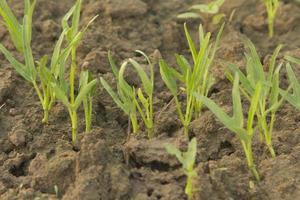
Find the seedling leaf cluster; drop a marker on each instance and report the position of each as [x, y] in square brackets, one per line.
[198, 10]
[54, 79]
[48, 78]
[236, 122]
[187, 159]
[134, 101]
[195, 77]
[271, 7]
[269, 100]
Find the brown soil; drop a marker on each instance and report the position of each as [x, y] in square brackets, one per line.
[35, 159]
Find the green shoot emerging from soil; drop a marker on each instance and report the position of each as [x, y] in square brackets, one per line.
[195, 78]
[294, 98]
[187, 159]
[38, 74]
[269, 100]
[272, 7]
[85, 79]
[65, 90]
[211, 8]
[236, 122]
[131, 100]
[125, 95]
[144, 103]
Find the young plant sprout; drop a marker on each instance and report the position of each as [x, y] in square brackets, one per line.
[269, 100]
[211, 8]
[292, 98]
[37, 73]
[236, 122]
[272, 7]
[195, 77]
[125, 95]
[64, 90]
[187, 159]
[131, 100]
[20, 34]
[144, 103]
[85, 79]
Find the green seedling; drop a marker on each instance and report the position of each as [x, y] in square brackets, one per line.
[131, 100]
[236, 122]
[37, 73]
[63, 89]
[125, 95]
[187, 159]
[209, 9]
[144, 103]
[195, 77]
[294, 97]
[269, 101]
[85, 79]
[272, 7]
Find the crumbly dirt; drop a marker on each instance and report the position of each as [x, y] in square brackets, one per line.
[39, 161]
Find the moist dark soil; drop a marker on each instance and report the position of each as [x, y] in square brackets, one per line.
[39, 161]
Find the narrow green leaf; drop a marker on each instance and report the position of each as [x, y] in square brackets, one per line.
[222, 116]
[293, 79]
[12, 25]
[172, 150]
[274, 94]
[188, 15]
[273, 62]
[113, 65]
[142, 98]
[238, 116]
[84, 91]
[293, 59]
[26, 32]
[147, 84]
[191, 43]
[253, 106]
[183, 64]
[61, 95]
[167, 77]
[114, 96]
[76, 18]
[56, 56]
[124, 87]
[256, 68]
[19, 67]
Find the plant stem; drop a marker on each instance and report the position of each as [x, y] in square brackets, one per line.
[73, 113]
[46, 116]
[73, 116]
[186, 130]
[134, 123]
[189, 187]
[271, 27]
[47, 105]
[72, 76]
[269, 136]
[248, 152]
[87, 104]
[267, 132]
[46, 110]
